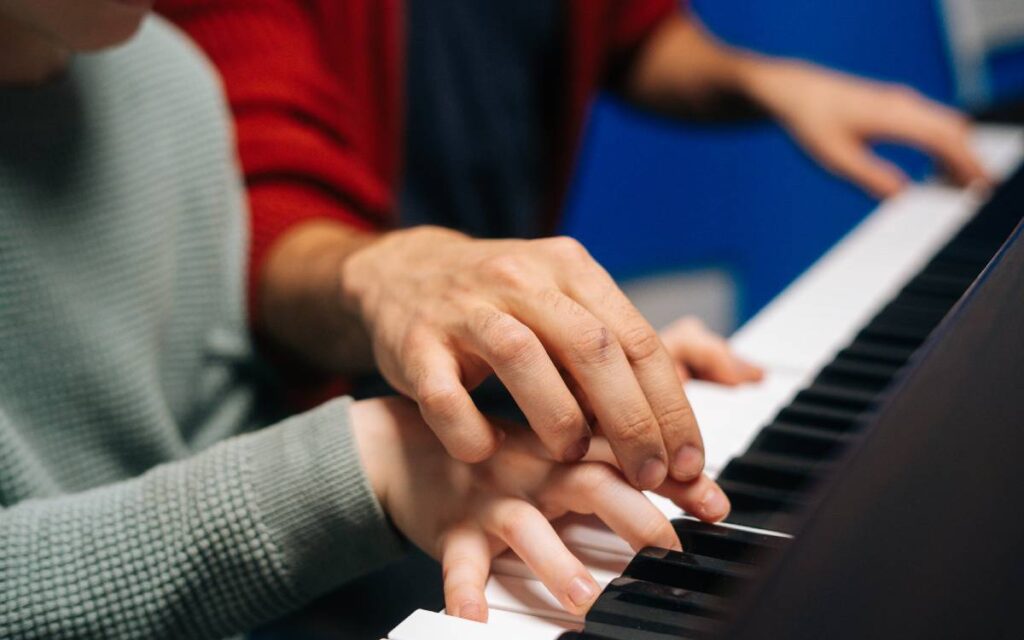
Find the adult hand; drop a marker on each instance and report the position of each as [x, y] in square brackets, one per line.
[446, 311]
[835, 117]
[465, 514]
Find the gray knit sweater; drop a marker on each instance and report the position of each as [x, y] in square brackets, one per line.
[137, 498]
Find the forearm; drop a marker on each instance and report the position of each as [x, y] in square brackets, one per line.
[683, 71]
[205, 547]
[302, 307]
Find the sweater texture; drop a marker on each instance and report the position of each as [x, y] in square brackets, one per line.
[141, 494]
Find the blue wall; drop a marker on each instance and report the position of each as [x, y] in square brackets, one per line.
[655, 196]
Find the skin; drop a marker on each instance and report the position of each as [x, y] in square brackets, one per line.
[684, 72]
[443, 311]
[465, 514]
[38, 36]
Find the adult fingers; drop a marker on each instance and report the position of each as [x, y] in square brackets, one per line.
[446, 406]
[601, 490]
[652, 365]
[851, 158]
[522, 364]
[591, 354]
[944, 133]
[701, 497]
[706, 354]
[466, 563]
[528, 533]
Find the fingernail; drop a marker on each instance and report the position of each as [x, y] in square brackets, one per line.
[715, 505]
[581, 592]
[688, 463]
[652, 474]
[577, 450]
[472, 611]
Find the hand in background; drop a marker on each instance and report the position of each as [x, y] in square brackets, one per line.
[465, 514]
[702, 354]
[445, 311]
[835, 116]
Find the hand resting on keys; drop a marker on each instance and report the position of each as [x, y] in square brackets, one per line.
[465, 514]
[445, 311]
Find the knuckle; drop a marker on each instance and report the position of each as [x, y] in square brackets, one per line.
[511, 343]
[506, 270]
[640, 343]
[634, 428]
[657, 531]
[568, 250]
[593, 345]
[596, 478]
[413, 343]
[515, 522]
[439, 398]
[473, 448]
[678, 413]
[903, 96]
[567, 423]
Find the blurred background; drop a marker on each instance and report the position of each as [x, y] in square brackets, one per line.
[721, 220]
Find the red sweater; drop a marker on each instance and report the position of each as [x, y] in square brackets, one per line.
[315, 88]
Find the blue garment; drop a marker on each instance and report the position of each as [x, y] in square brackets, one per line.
[480, 114]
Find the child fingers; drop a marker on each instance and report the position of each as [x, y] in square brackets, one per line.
[466, 563]
[599, 489]
[702, 498]
[529, 534]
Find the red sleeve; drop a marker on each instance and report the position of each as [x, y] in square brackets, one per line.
[294, 123]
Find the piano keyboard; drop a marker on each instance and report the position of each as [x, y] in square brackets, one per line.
[830, 345]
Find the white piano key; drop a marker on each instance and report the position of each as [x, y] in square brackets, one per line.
[803, 328]
[729, 417]
[999, 148]
[529, 627]
[428, 625]
[792, 337]
[525, 596]
[807, 324]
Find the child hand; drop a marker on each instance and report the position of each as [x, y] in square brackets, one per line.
[703, 354]
[465, 514]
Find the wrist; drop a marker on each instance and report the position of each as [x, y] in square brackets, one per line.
[766, 81]
[382, 258]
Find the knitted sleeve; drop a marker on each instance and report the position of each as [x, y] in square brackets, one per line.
[204, 547]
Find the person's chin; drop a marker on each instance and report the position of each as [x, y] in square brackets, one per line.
[120, 21]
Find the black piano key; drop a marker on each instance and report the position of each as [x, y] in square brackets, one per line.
[629, 605]
[667, 597]
[684, 570]
[799, 442]
[723, 543]
[938, 286]
[860, 375]
[600, 630]
[819, 417]
[746, 496]
[909, 333]
[868, 351]
[768, 472]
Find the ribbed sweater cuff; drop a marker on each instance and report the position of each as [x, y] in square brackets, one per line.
[311, 492]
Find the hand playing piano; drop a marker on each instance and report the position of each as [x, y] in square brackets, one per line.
[835, 117]
[465, 514]
[445, 311]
